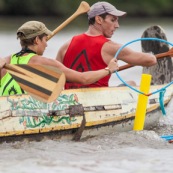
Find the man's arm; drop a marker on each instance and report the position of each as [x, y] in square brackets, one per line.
[62, 51]
[128, 55]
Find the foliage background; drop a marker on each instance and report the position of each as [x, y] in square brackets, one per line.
[63, 8]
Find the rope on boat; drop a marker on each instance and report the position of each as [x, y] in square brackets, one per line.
[168, 138]
[161, 101]
[160, 91]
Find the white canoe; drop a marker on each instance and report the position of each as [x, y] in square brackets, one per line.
[104, 109]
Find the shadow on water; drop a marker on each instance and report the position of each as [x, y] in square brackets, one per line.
[12, 23]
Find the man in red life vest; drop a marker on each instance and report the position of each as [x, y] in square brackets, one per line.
[93, 49]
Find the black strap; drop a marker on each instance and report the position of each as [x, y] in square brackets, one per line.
[6, 85]
[23, 51]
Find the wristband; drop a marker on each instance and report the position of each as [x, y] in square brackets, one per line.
[107, 69]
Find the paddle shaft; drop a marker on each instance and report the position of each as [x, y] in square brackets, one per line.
[158, 56]
[83, 8]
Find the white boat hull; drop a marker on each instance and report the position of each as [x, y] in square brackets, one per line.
[105, 109]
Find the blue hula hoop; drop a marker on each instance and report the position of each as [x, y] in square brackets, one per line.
[141, 39]
[163, 89]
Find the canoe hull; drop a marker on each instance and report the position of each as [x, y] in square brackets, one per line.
[105, 110]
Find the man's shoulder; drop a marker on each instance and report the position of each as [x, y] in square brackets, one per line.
[79, 35]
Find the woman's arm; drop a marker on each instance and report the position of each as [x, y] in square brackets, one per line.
[90, 76]
[3, 61]
[74, 76]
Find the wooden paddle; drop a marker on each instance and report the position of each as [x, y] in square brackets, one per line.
[158, 56]
[83, 8]
[42, 82]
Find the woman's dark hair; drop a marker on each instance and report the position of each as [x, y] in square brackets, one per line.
[92, 20]
[27, 42]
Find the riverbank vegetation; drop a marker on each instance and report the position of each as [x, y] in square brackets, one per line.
[63, 8]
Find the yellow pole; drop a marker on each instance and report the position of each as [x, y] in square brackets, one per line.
[142, 102]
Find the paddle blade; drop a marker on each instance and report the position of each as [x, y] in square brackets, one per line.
[41, 82]
[161, 72]
[155, 47]
[83, 8]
